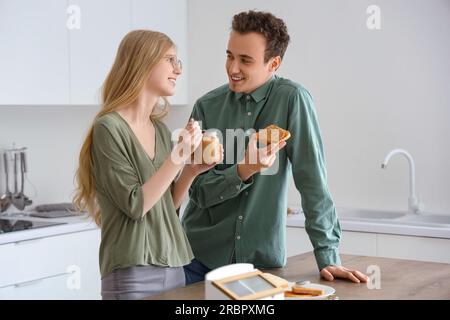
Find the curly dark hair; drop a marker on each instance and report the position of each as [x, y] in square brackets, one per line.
[265, 23]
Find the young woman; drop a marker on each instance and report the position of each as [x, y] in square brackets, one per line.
[129, 175]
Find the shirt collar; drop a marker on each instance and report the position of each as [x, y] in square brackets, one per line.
[259, 93]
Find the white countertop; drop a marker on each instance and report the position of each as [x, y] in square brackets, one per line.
[72, 224]
[298, 220]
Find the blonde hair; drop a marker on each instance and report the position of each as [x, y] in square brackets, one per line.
[138, 53]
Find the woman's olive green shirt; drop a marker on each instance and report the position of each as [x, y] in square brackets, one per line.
[121, 167]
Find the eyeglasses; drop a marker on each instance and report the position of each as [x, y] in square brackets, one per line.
[176, 63]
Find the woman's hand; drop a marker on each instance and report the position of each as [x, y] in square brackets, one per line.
[190, 139]
[196, 169]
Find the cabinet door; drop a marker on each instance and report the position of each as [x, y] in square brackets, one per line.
[51, 288]
[413, 248]
[297, 241]
[33, 52]
[358, 243]
[88, 246]
[75, 256]
[169, 17]
[93, 47]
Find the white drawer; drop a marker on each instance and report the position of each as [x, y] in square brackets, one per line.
[54, 288]
[36, 259]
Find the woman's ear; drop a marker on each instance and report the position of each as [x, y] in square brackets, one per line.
[275, 64]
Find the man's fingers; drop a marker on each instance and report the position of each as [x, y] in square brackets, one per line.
[347, 274]
[253, 140]
[221, 152]
[275, 147]
[272, 159]
[361, 276]
[326, 275]
[352, 277]
[342, 272]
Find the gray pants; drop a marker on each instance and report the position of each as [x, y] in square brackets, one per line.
[138, 282]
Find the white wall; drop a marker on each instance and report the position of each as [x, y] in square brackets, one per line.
[374, 90]
[53, 136]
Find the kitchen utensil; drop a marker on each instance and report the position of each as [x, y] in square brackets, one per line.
[302, 282]
[5, 199]
[15, 173]
[20, 201]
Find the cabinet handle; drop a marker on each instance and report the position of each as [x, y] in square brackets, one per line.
[27, 241]
[28, 283]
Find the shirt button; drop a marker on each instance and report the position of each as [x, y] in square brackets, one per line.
[249, 113]
[237, 187]
[238, 237]
[221, 197]
[241, 217]
[246, 193]
[247, 97]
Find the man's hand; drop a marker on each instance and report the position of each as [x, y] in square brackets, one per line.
[331, 272]
[257, 160]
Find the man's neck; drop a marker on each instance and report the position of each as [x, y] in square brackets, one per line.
[267, 80]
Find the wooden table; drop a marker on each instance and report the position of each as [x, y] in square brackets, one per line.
[400, 279]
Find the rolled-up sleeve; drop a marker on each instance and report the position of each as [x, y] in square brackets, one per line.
[115, 174]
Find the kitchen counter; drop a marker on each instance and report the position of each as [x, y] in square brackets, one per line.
[400, 279]
[373, 226]
[72, 224]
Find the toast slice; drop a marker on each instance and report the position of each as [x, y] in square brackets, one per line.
[310, 291]
[272, 134]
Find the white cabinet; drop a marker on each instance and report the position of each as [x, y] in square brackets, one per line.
[93, 47]
[51, 288]
[297, 241]
[413, 248]
[58, 267]
[359, 243]
[46, 60]
[377, 245]
[169, 17]
[34, 57]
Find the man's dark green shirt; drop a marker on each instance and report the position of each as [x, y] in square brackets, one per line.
[228, 220]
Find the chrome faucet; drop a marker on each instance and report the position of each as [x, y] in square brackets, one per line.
[414, 205]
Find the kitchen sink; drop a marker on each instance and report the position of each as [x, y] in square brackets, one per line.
[423, 219]
[358, 214]
[427, 219]
[8, 224]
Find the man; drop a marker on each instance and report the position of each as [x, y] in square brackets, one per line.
[236, 213]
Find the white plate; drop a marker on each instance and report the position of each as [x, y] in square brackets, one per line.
[328, 291]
